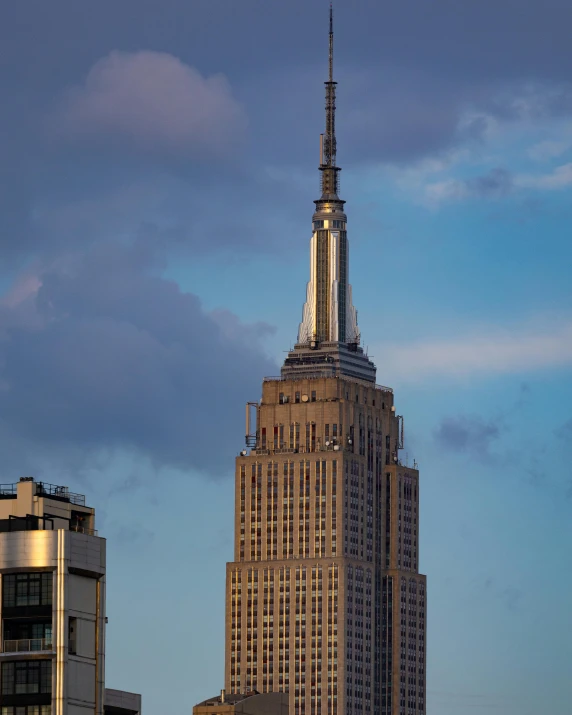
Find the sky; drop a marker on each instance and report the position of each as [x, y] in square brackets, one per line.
[158, 164]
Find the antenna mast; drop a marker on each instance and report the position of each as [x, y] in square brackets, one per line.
[329, 144]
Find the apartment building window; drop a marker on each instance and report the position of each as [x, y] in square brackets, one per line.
[26, 677]
[27, 710]
[27, 589]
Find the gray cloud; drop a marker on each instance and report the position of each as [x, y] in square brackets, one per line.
[155, 102]
[144, 116]
[107, 354]
[490, 38]
[564, 432]
[467, 435]
[495, 184]
[511, 597]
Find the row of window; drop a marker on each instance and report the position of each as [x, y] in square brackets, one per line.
[318, 491]
[314, 582]
[335, 223]
[27, 589]
[26, 677]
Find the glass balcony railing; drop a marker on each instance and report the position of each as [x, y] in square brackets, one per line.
[83, 530]
[27, 645]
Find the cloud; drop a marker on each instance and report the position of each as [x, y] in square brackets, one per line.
[559, 178]
[546, 150]
[107, 354]
[470, 435]
[512, 597]
[153, 101]
[564, 432]
[495, 184]
[489, 352]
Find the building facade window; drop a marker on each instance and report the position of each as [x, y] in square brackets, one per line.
[27, 589]
[26, 677]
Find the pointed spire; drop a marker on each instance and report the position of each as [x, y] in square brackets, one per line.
[328, 336]
[331, 43]
[328, 142]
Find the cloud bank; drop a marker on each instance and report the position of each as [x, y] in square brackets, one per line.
[488, 352]
[98, 351]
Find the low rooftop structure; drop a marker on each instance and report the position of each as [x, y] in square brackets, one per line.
[249, 703]
[118, 702]
[28, 505]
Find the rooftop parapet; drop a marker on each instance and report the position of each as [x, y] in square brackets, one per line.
[43, 489]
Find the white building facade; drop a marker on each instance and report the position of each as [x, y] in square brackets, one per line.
[52, 603]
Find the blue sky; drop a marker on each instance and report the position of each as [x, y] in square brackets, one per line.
[157, 173]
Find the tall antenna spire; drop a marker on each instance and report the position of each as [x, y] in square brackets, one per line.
[331, 43]
[329, 145]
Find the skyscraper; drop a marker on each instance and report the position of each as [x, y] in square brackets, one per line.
[324, 597]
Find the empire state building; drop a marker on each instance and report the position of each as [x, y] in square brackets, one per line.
[324, 598]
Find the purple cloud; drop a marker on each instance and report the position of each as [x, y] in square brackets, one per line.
[468, 435]
[108, 354]
[154, 101]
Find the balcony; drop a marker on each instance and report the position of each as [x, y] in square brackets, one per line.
[28, 645]
[83, 530]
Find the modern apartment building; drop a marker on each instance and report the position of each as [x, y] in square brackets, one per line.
[52, 607]
[324, 596]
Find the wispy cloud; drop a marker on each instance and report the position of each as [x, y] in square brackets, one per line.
[549, 149]
[497, 183]
[482, 701]
[494, 184]
[490, 351]
[559, 178]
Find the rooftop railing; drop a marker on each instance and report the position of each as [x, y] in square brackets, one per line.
[45, 489]
[27, 645]
[53, 490]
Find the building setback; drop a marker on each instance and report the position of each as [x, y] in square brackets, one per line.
[324, 598]
[52, 586]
